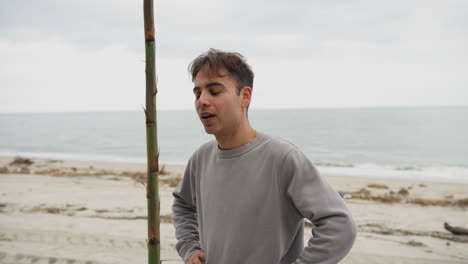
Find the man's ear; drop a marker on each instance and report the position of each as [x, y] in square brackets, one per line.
[246, 96]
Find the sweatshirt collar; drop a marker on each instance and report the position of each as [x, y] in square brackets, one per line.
[231, 153]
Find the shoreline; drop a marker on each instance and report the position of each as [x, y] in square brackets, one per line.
[366, 171]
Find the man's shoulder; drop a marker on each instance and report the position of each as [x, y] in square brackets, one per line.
[206, 147]
[283, 150]
[278, 144]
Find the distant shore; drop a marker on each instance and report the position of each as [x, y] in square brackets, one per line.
[94, 212]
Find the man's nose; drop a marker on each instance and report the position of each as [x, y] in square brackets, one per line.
[203, 100]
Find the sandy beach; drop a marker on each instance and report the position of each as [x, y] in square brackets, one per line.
[56, 211]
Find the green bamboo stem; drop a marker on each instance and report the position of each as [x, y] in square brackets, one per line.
[152, 188]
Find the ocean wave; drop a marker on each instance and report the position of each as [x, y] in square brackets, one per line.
[333, 164]
[408, 168]
[72, 156]
[449, 174]
[86, 157]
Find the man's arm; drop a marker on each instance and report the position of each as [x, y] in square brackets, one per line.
[185, 217]
[316, 200]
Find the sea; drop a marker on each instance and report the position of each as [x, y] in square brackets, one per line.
[417, 143]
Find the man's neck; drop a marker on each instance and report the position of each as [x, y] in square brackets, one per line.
[236, 139]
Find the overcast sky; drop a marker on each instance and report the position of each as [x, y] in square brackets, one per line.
[88, 55]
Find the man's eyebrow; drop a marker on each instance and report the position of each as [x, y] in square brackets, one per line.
[214, 84]
[196, 88]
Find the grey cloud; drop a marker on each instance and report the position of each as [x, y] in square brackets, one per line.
[85, 23]
[186, 27]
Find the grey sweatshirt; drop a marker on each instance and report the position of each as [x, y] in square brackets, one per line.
[247, 205]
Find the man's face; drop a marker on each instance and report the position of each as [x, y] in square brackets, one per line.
[217, 103]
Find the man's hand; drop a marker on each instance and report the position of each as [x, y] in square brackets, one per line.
[196, 257]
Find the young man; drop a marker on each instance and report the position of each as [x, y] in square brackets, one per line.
[245, 195]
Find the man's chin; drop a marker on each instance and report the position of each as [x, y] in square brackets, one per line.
[209, 130]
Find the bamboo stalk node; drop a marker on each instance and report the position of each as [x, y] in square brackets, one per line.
[148, 119]
[149, 36]
[153, 242]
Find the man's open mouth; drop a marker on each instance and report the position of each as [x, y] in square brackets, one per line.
[207, 116]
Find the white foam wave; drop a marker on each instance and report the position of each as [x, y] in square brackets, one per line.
[423, 174]
[73, 156]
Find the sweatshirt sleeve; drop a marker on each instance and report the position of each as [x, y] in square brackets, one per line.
[335, 231]
[185, 216]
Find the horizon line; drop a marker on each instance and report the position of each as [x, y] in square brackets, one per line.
[252, 109]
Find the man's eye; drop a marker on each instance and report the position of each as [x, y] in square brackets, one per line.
[214, 93]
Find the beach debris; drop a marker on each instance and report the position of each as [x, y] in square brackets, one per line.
[110, 177]
[383, 230]
[15, 170]
[166, 175]
[174, 181]
[136, 175]
[364, 192]
[19, 161]
[163, 171]
[44, 209]
[73, 209]
[100, 211]
[53, 210]
[462, 202]
[456, 230]
[414, 243]
[345, 195]
[69, 209]
[403, 197]
[25, 171]
[377, 186]
[403, 192]
[163, 218]
[422, 185]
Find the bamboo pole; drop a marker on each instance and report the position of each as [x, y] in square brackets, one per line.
[152, 188]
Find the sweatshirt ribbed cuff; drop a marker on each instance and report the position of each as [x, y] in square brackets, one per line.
[187, 251]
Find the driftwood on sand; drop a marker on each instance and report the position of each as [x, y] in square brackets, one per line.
[456, 230]
[380, 229]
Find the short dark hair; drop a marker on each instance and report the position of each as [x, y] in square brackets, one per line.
[214, 60]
